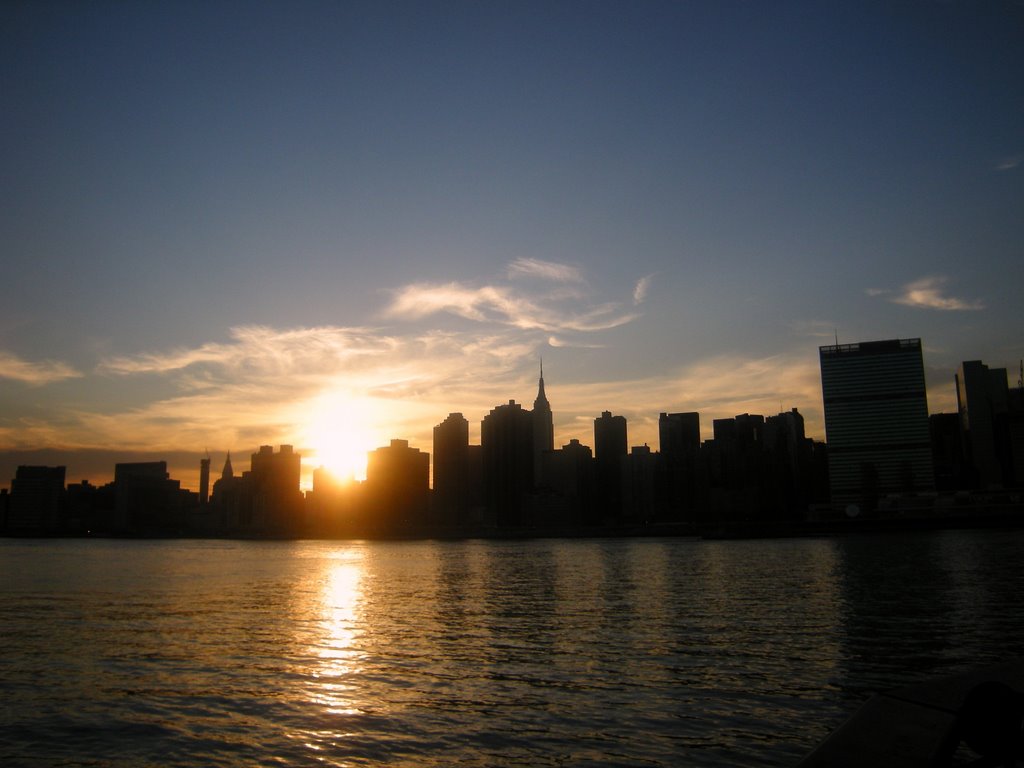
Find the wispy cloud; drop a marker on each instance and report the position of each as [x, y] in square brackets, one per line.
[641, 288]
[877, 292]
[927, 293]
[559, 310]
[1010, 162]
[545, 270]
[36, 373]
[261, 349]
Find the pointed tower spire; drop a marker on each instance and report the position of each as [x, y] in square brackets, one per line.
[227, 473]
[543, 429]
[541, 397]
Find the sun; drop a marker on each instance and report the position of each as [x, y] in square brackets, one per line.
[340, 434]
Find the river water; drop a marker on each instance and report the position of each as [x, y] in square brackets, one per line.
[481, 653]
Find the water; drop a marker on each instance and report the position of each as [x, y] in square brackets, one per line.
[547, 652]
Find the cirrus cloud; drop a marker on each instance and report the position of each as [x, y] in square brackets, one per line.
[35, 373]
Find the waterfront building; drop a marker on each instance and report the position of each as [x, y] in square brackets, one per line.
[276, 499]
[982, 399]
[569, 496]
[451, 497]
[36, 500]
[610, 448]
[397, 488]
[147, 500]
[679, 471]
[508, 450]
[543, 429]
[640, 485]
[876, 421]
[204, 481]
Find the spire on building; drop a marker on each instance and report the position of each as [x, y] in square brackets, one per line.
[543, 429]
[227, 473]
[542, 400]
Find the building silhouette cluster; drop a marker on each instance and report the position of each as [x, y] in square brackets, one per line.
[885, 458]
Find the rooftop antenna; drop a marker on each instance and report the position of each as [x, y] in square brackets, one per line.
[837, 336]
[1020, 379]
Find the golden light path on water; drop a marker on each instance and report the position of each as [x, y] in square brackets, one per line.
[338, 660]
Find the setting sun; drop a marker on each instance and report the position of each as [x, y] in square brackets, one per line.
[339, 434]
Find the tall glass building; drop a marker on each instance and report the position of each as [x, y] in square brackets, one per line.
[876, 421]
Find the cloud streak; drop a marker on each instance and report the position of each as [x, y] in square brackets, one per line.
[35, 373]
[1009, 163]
[927, 293]
[567, 308]
[544, 270]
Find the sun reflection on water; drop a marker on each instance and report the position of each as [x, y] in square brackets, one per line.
[337, 648]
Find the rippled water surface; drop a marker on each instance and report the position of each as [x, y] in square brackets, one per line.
[544, 652]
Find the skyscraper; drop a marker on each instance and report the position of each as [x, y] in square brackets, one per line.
[508, 448]
[397, 487]
[876, 421]
[610, 448]
[982, 397]
[204, 480]
[543, 429]
[451, 470]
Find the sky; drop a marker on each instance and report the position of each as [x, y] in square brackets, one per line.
[229, 224]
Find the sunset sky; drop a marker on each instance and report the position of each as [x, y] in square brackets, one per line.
[331, 224]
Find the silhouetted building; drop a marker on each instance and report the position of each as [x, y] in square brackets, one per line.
[640, 485]
[610, 446]
[508, 451]
[452, 481]
[679, 473]
[36, 500]
[982, 397]
[876, 421]
[277, 503]
[951, 472]
[147, 500]
[231, 501]
[543, 429]
[397, 489]
[330, 505]
[679, 434]
[204, 480]
[569, 495]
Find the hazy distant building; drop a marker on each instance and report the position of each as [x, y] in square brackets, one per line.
[229, 502]
[508, 450]
[204, 480]
[876, 421]
[36, 500]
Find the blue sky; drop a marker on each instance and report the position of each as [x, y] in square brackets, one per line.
[329, 224]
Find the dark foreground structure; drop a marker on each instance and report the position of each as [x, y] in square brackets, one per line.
[974, 719]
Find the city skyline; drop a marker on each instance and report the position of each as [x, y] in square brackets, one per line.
[703, 430]
[331, 228]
